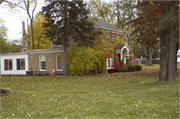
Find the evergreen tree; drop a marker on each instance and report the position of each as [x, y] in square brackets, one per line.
[67, 20]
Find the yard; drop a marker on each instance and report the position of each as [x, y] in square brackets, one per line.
[118, 95]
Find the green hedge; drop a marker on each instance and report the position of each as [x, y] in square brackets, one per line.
[131, 68]
[138, 67]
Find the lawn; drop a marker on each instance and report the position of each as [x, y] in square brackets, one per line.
[119, 95]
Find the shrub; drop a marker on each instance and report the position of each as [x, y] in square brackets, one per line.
[131, 68]
[110, 70]
[116, 65]
[117, 70]
[124, 68]
[138, 67]
[81, 60]
[122, 63]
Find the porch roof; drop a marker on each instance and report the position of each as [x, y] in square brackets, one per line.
[120, 47]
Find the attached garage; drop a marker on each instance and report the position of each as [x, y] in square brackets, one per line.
[14, 64]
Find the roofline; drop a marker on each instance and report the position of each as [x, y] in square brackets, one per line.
[34, 52]
[117, 31]
[22, 53]
[44, 51]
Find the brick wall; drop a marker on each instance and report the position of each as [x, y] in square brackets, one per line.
[50, 61]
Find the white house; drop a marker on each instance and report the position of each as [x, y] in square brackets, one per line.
[14, 63]
[178, 56]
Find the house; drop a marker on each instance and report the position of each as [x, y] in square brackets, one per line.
[44, 61]
[122, 51]
[23, 48]
[178, 56]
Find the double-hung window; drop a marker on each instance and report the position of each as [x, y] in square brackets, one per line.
[59, 60]
[109, 63]
[42, 63]
[8, 64]
[21, 64]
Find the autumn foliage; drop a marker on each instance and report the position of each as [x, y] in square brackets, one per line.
[116, 65]
[146, 28]
[39, 37]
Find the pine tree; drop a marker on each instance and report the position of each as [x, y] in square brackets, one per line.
[67, 19]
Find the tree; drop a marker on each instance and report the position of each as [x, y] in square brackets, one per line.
[82, 59]
[167, 24]
[67, 20]
[40, 40]
[148, 53]
[29, 6]
[3, 37]
[162, 18]
[125, 11]
[100, 9]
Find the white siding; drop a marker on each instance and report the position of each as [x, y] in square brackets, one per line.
[14, 58]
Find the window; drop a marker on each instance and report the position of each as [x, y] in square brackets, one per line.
[109, 63]
[21, 64]
[8, 64]
[59, 60]
[109, 37]
[42, 63]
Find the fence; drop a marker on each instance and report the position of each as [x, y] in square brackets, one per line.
[140, 61]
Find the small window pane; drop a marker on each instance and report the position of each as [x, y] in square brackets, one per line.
[59, 62]
[22, 64]
[6, 64]
[10, 64]
[43, 65]
[18, 64]
[108, 63]
[42, 62]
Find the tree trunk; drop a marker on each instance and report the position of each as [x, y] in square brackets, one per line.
[167, 43]
[65, 66]
[32, 33]
[147, 61]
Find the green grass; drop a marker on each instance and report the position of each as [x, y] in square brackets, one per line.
[101, 96]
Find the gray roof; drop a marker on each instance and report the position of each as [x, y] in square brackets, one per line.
[21, 46]
[102, 25]
[120, 47]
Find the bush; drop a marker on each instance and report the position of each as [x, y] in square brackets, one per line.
[117, 70]
[131, 68]
[124, 68]
[122, 63]
[81, 60]
[116, 65]
[138, 67]
[110, 70]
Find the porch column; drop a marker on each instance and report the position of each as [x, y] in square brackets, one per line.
[121, 55]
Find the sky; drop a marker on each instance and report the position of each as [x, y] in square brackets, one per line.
[13, 21]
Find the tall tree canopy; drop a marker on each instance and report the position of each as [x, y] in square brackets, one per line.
[6, 45]
[160, 19]
[67, 20]
[40, 40]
